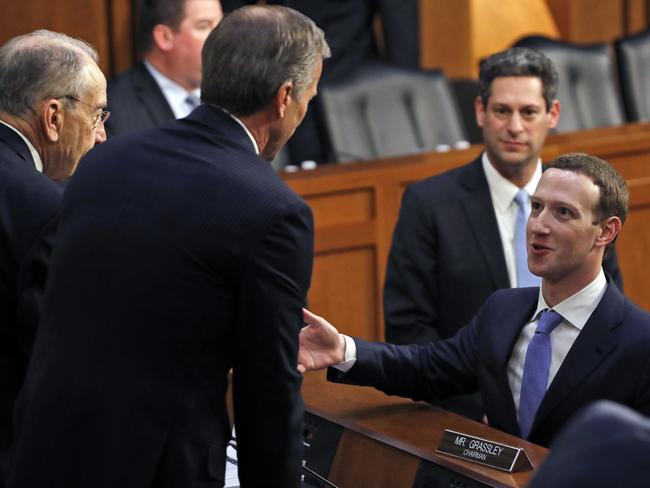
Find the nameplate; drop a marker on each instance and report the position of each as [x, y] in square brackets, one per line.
[483, 451]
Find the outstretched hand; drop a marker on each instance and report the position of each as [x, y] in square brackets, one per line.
[321, 345]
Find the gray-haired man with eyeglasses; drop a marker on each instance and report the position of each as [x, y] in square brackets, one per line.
[52, 111]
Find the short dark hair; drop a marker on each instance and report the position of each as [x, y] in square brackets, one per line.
[614, 194]
[253, 51]
[41, 65]
[154, 12]
[519, 61]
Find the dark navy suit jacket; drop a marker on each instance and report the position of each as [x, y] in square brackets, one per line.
[610, 359]
[604, 446]
[136, 102]
[29, 203]
[180, 255]
[446, 258]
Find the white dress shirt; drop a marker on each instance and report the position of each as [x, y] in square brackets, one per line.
[575, 312]
[38, 162]
[174, 93]
[503, 194]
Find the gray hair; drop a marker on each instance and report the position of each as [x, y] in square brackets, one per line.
[519, 61]
[42, 65]
[255, 49]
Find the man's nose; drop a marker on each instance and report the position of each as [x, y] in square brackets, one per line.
[515, 123]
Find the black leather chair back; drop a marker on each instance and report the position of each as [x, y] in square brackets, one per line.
[386, 111]
[633, 54]
[588, 92]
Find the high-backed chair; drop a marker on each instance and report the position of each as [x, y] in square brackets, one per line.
[588, 92]
[386, 111]
[633, 54]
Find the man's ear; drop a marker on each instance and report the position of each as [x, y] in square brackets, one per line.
[163, 37]
[554, 114]
[609, 229]
[479, 111]
[283, 98]
[52, 117]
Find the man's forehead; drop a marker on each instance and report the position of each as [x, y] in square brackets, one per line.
[522, 89]
[572, 185]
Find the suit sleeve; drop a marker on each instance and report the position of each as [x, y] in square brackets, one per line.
[266, 383]
[428, 372]
[410, 290]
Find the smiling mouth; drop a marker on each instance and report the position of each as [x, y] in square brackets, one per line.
[536, 248]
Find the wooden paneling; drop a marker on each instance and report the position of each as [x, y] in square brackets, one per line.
[589, 20]
[356, 207]
[106, 24]
[455, 35]
[122, 53]
[345, 284]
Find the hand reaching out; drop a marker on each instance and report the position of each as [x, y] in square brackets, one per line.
[321, 345]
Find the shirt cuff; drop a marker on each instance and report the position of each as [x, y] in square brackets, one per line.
[350, 355]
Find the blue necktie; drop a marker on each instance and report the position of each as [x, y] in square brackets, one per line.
[536, 367]
[524, 276]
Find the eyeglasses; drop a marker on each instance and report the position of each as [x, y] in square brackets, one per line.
[102, 116]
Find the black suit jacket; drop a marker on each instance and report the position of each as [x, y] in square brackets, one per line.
[604, 446]
[180, 255]
[446, 257]
[29, 202]
[610, 360]
[136, 102]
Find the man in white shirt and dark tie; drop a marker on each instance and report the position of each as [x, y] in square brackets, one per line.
[536, 355]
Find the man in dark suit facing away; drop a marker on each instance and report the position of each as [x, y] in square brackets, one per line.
[537, 354]
[455, 240]
[166, 83]
[181, 255]
[52, 100]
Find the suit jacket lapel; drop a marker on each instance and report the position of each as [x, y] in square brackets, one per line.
[151, 95]
[479, 210]
[594, 343]
[16, 144]
[509, 319]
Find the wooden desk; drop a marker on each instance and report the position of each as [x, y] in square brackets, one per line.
[356, 207]
[386, 437]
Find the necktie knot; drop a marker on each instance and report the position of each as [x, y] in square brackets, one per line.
[548, 320]
[521, 198]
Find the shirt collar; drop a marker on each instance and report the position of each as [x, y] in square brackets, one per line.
[174, 93]
[38, 162]
[577, 309]
[503, 191]
[248, 133]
